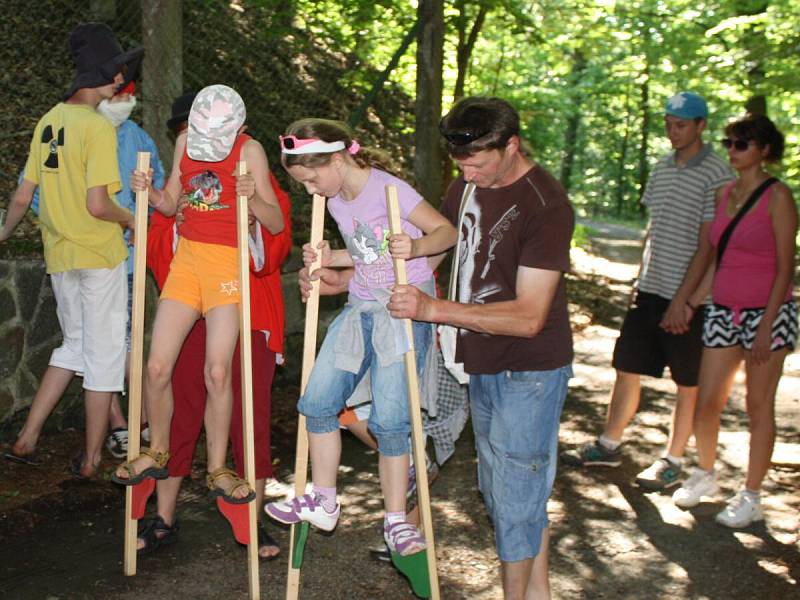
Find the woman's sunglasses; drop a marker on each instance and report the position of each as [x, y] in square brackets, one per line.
[738, 145]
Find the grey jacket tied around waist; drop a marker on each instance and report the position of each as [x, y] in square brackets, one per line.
[389, 341]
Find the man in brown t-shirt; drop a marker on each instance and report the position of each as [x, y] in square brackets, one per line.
[514, 339]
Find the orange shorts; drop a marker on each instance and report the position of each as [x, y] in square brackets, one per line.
[203, 276]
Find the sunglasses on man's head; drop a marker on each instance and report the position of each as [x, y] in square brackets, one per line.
[462, 138]
[738, 145]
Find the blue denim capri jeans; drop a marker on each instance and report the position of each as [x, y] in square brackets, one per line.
[515, 416]
[329, 387]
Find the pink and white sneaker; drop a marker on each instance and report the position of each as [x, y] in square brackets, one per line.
[402, 537]
[307, 507]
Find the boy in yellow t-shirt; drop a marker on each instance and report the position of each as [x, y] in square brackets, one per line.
[73, 158]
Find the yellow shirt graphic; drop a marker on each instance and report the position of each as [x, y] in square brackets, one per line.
[73, 149]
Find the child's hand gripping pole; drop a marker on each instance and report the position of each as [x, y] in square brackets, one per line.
[299, 532]
[417, 435]
[136, 495]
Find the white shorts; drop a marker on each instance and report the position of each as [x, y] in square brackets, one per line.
[91, 305]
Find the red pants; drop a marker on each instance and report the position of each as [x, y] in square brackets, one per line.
[189, 394]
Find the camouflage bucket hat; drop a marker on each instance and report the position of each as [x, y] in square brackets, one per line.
[216, 116]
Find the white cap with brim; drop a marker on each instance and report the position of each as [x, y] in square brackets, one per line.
[217, 114]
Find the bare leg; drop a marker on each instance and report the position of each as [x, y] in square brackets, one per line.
[172, 324]
[393, 472]
[97, 409]
[360, 429]
[717, 370]
[53, 385]
[528, 579]
[266, 551]
[326, 451]
[222, 327]
[116, 416]
[682, 420]
[624, 404]
[762, 383]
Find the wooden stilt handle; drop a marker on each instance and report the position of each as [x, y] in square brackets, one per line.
[245, 354]
[417, 434]
[136, 357]
[309, 354]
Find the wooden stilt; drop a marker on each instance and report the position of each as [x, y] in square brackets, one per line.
[417, 434]
[137, 359]
[245, 353]
[299, 533]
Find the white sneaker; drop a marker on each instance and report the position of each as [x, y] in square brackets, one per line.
[307, 507]
[700, 483]
[741, 510]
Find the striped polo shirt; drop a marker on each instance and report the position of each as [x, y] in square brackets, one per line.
[680, 199]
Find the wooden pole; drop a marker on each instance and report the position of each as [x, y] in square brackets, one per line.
[417, 435]
[245, 354]
[309, 354]
[136, 358]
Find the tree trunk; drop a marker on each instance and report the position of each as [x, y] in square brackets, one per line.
[358, 114]
[619, 193]
[466, 44]
[644, 171]
[574, 119]
[428, 105]
[162, 69]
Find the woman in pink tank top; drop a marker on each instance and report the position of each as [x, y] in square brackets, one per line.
[753, 317]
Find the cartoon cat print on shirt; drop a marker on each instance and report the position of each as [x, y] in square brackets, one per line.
[369, 242]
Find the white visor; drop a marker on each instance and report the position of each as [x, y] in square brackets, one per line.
[316, 147]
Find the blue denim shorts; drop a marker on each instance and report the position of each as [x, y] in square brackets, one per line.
[515, 416]
[329, 387]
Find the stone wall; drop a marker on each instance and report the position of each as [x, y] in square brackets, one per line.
[29, 331]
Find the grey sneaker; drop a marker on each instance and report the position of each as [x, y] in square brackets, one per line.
[661, 475]
[593, 455]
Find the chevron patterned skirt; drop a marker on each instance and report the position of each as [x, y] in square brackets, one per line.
[725, 327]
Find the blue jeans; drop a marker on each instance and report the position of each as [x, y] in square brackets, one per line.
[515, 416]
[329, 388]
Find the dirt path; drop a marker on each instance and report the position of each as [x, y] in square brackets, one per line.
[63, 539]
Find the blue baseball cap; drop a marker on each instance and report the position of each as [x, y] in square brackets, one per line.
[687, 105]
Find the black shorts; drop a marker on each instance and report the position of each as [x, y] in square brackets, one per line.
[644, 348]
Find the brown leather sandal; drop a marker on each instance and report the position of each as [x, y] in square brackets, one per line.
[159, 471]
[238, 483]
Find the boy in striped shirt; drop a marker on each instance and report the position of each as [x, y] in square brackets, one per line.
[663, 325]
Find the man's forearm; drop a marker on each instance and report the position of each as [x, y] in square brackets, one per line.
[498, 318]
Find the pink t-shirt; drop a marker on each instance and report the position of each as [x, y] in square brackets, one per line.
[364, 225]
[744, 278]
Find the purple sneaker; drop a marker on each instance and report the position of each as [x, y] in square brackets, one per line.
[403, 538]
[307, 507]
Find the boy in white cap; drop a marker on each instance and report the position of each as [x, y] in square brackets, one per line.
[664, 324]
[203, 277]
[73, 159]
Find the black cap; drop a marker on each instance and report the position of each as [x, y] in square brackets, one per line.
[98, 57]
[180, 110]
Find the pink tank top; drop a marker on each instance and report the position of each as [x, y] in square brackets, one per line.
[749, 265]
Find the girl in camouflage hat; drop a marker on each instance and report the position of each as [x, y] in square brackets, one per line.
[203, 278]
